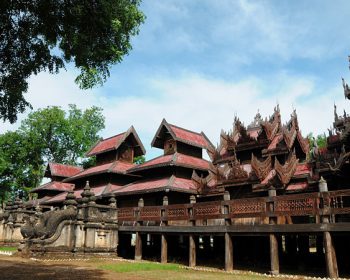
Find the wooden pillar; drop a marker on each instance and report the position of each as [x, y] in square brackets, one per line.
[164, 241]
[138, 247]
[228, 252]
[138, 241]
[192, 243]
[228, 238]
[274, 260]
[331, 259]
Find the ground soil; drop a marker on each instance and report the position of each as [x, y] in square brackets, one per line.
[17, 268]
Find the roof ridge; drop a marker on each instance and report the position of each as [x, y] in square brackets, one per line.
[64, 164]
[198, 133]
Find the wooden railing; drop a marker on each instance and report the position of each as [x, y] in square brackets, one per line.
[306, 204]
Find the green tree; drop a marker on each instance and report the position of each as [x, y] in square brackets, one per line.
[139, 159]
[49, 134]
[63, 137]
[21, 165]
[45, 35]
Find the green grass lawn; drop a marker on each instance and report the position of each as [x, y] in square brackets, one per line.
[8, 248]
[155, 271]
[133, 267]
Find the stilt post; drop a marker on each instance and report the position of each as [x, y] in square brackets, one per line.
[192, 243]
[274, 260]
[138, 241]
[331, 259]
[228, 238]
[164, 241]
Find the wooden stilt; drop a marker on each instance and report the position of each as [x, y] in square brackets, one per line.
[228, 252]
[275, 266]
[331, 260]
[274, 260]
[138, 247]
[192, 251]
[164, 249]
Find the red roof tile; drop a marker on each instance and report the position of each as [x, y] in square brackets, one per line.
[180, 134]
[269, 176]
[106, 144]
[54, 186]
[303, 168]
[63, 170]
[275, 142]
[297, 186]
[254, 133]
[112, 167]
[182, 159]
[189, 137]
[113, 143]
[176, 159]
[151, 185]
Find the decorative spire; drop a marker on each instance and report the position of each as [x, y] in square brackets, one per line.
[70, 199]
[92, 199]
[346, 89]
[86, 194]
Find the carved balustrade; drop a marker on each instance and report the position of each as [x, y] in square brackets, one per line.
[306, 204]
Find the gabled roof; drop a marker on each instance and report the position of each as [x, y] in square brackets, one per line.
[61, 170]
[54, 186]
[179, 134]
[114, 142]
[118, 167]
[176, 159]
[172, 183]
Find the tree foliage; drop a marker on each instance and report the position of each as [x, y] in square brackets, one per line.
[49, 134]
[44, 35]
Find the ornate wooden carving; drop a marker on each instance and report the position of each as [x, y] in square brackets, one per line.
[295, 207]
[247, 206]
[272, 127]
[126, 213]
[261, 168]
[213, 209]
[233, 171]
[289, 136]
[150, 213]
[286, 171]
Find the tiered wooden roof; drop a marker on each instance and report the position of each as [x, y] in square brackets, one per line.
[180, 134]
[265, 154]
[114, 142]
[54, 169]
[172, 158]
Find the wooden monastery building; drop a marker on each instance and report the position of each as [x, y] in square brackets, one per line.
[268, 198]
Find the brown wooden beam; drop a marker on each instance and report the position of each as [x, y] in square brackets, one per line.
[241, 229]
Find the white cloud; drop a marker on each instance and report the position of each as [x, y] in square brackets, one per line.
[195, 102]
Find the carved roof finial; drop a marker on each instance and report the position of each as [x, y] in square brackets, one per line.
[335, 113]
[346, 89]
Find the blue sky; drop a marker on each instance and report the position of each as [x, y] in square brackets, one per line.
[199, 63]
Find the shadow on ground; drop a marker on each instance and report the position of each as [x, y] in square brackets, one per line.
[18, 270]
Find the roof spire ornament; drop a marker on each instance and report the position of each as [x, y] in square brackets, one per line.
[346, 89]
[335, 113]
